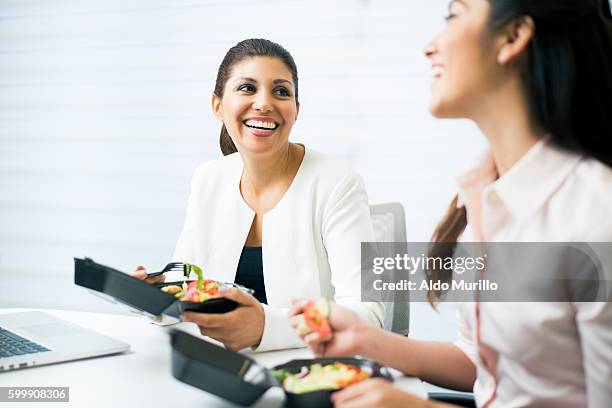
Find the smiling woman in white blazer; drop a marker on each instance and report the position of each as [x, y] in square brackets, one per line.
[303, 214]
[310, 239]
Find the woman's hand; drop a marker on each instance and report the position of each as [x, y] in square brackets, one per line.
[240, 328]
[348, 331]
[376, 392]
[141, 273]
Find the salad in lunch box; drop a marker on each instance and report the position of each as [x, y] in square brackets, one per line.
[321, 377]
[196, 291]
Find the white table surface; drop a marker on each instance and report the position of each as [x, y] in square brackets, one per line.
[141, 376]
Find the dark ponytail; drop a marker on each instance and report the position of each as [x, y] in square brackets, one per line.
[569, 89]
[444, 242]
[254, 47]
[226, 143]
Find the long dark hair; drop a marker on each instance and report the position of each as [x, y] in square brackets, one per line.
[569, 89]
[253, 47]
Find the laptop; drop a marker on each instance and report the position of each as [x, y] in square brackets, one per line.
[30, 339]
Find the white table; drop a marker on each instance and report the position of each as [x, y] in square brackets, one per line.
[142, 376]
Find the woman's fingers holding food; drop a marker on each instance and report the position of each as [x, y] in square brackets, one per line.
[156, 279]
[298, 322]
[313, 339]
[341, 317]
[294, 321]
[238, 296]
[141, 273]
[316, 341]
[297, 307]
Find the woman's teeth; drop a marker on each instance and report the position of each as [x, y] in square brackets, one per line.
[258, 124]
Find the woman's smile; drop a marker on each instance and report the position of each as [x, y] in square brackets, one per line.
[437, 71]
[261, 126]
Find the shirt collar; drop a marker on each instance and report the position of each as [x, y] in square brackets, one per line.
[528, 184]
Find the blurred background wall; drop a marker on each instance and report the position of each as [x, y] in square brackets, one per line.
[105, 113]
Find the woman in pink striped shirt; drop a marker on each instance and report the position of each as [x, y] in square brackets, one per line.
[536, 77]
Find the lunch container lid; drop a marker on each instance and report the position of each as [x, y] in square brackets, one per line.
[214, 369]
[240, 379]
[137, 294]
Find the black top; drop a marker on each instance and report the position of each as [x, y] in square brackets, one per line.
[250, 272]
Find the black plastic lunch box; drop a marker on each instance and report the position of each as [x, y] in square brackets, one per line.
[240, 379]
[138, 294]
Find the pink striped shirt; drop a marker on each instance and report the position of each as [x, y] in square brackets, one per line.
[539, 354]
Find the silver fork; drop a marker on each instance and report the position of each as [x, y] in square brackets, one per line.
[172, 266]
[181, 266]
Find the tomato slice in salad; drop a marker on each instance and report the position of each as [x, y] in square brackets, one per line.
[209, 287]
[200, 290]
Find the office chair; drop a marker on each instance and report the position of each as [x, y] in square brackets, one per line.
[389, 224]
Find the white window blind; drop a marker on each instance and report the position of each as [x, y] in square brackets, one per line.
[105, 113]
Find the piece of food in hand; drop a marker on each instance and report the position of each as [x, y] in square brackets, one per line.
[318, 377]
[315, 316]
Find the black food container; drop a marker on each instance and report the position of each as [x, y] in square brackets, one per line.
[138, 294]
[240, 379]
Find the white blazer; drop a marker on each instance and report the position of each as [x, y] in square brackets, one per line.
[310, 241]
